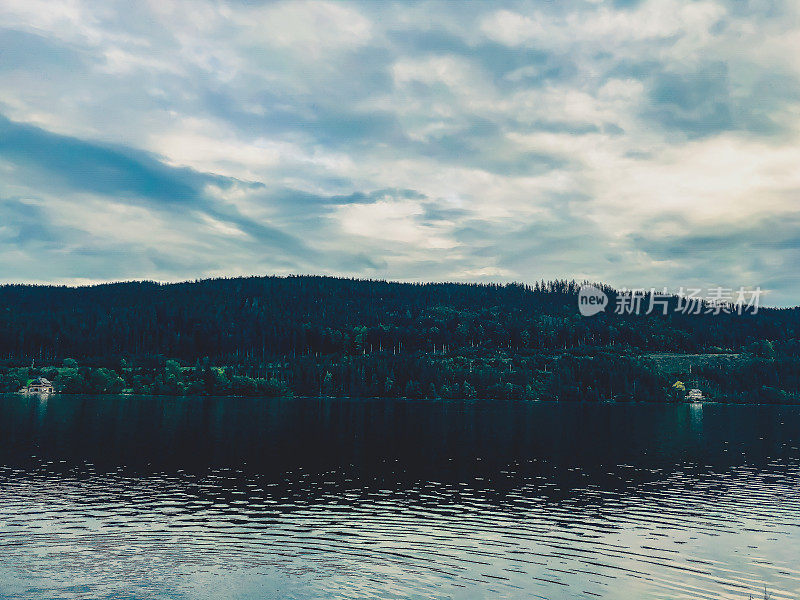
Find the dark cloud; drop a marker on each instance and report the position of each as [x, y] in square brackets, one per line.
[89, 167]
[696, 103]
[506, 67]
[562, 239]
[481, 144]
[22, 50]
[706, 102]
[434, 213]
[60, 162]
[773, 233]
[305, 118]
[27, 225]
[760, 251]
[299, 205]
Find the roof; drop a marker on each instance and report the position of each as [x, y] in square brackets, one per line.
[40, 381]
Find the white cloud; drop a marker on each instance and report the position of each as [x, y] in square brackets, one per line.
[393, 221]
[308, 28]
[653, 20]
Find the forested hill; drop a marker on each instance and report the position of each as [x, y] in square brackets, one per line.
[263, 318]
[363, 336]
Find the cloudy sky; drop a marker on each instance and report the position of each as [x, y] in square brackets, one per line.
[639, 143]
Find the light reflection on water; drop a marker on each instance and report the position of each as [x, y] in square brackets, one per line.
[242, 498]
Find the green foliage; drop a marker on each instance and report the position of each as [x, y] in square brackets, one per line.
[172, 379]
[263, 336]
[104, 381]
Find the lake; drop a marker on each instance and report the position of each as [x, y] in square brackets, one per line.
[145, 497]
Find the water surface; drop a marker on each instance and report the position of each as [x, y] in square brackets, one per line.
[123, 497]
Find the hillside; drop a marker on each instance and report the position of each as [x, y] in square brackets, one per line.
[320, 335]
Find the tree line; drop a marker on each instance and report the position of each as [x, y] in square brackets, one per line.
[345, 337]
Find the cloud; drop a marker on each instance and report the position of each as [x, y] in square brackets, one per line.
[315, 26]
[706, 101]
[60, 162]
[506, 141]
[55, 163]
[758, 252]
[27, 225]
[82, 166]
[697, 103]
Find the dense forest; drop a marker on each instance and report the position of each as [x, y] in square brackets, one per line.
[277, 336]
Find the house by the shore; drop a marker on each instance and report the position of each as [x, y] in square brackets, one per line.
[40, 385]
[694, 395]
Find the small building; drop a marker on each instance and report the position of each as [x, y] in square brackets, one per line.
[40, 385]
[694, 395]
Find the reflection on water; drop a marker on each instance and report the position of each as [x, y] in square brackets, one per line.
[239, 498]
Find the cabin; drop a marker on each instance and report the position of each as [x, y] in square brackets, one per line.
[40, 385]
[694, 395]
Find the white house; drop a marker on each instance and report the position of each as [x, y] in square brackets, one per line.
[40, 385]
[694, 395]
